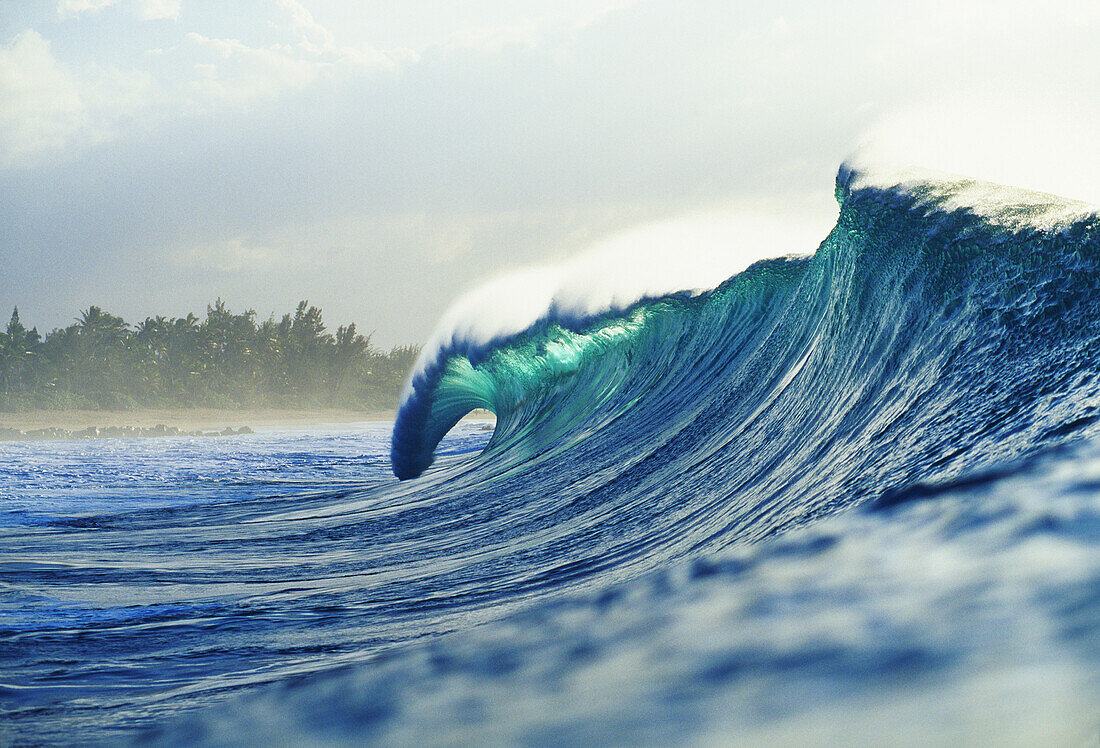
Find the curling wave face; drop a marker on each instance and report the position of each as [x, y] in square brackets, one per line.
[944, 325]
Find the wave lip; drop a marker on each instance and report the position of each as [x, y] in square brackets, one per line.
[514, 376]
[999, 205]
[429, 412]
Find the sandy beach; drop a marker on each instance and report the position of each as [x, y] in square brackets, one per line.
[187, 419]
[192, 419]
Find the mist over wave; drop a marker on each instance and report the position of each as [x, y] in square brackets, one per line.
[689, 254]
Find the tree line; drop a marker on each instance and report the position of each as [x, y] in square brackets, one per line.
[226, 360]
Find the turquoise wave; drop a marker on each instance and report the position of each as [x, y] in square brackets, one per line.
[943, 325]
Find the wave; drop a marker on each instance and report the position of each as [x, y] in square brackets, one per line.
[943, 325]
[594, 561]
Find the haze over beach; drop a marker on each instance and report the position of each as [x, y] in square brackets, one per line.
[689, 373]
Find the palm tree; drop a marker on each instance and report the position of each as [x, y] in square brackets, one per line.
[98, 324]
[182, 352]
[18, 354]
[101, 361]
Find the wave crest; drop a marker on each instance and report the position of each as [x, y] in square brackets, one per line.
[926, 285]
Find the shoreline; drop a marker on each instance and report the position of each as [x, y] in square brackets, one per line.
[34, 425]
[184, 419]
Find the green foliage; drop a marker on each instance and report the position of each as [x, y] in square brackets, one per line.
[226, 361]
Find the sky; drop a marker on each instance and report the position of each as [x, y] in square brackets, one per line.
[381, 159]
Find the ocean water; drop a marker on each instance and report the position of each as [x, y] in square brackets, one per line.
[140, 576]
[845, 498]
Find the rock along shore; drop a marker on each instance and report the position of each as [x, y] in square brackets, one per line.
[112, 432]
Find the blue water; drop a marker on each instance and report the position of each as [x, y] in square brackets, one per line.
[852, 497]
[141, 576]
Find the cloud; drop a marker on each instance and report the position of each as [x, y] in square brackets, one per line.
[381, 181]
[228, 71]
[147, 10]
[317, 38]
[152, 10]
[232, 255]
[54, 109]
[45, 106]
[42, 105]
[75, 8]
